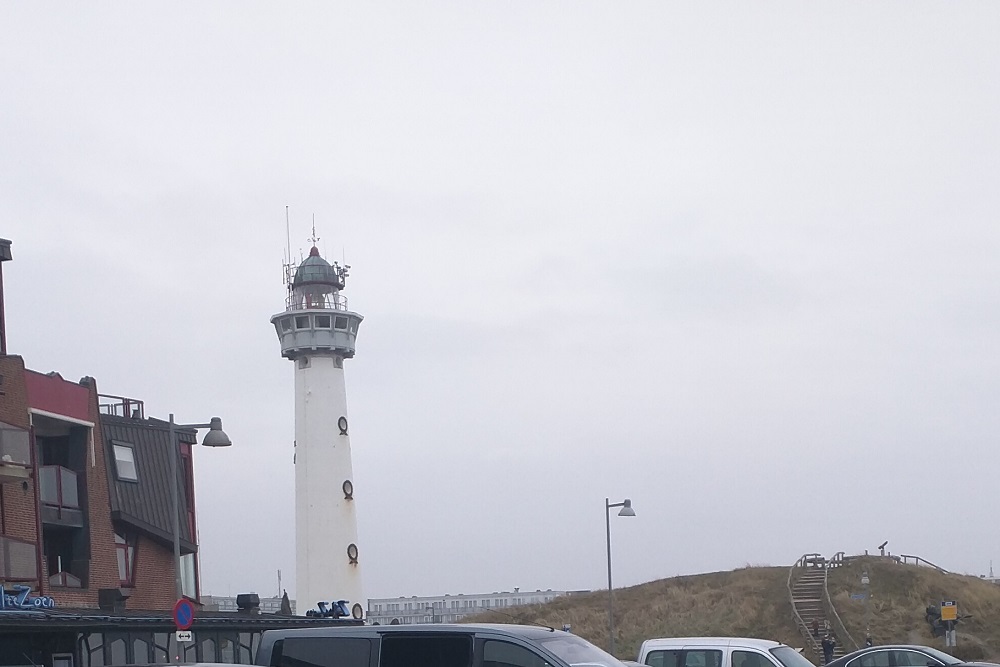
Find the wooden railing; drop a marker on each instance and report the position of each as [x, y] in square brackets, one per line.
[917, 560]
[840, 630]
[807, 560]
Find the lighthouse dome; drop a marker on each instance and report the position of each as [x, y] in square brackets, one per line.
[314, 270]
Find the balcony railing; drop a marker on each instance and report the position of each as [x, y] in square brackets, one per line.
[18, 560]
[65, 580]
[57, 487]
[15, 446]
[60, 496]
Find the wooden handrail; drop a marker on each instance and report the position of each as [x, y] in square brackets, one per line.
[841, 628]
[802, 563]
[917, 560]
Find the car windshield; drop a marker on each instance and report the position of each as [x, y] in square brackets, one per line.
[578, 651]
[941, 655]
[789, 657]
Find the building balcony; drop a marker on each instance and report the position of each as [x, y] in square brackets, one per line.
[18, 560]
[60, 496]
[15, 454]
[65, 580]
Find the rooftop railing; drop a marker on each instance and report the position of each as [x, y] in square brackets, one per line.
[324, 301]
[121, 406]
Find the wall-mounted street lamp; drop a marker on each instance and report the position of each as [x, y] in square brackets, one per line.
[215, 437]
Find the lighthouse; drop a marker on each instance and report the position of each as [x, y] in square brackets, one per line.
[317, 332]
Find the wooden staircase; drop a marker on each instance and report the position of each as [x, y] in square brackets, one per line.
[808, 595]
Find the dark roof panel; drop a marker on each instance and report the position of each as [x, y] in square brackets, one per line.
[146, 504]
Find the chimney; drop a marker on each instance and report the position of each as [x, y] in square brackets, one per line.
[248, 603]
[112, 599]
[5, 256]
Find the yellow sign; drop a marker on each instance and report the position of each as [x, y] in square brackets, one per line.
[949, 611]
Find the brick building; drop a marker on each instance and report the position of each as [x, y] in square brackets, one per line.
[87, 575]
[88, 497]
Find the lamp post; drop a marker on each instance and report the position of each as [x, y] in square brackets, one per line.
[626, 510]
[215, 437]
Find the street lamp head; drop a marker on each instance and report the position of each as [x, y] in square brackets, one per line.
[216, 437]
[626, 509]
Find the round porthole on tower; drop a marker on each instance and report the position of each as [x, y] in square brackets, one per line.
[342, 425]
[352, 553]
[348, 490]
[357, 612]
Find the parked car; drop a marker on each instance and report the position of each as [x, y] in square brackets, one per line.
[901, 655]
[719, 652]
[431, 645]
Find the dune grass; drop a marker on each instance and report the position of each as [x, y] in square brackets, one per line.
[753, 602]
[748, 602]
[899, 597]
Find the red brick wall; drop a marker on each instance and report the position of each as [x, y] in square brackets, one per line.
[154, 576]
[103, 571]
[20, 514]
[154, 570]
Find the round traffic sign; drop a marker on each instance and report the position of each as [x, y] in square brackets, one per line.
[183, 614]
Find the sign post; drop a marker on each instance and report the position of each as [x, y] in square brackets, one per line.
[183, 614]
[949, 616]
[866, 582]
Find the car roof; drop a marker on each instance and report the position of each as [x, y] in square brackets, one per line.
[739, 642]
[878, 647]
[528, 631]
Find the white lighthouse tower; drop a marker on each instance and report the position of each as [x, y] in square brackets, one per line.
[317, 332]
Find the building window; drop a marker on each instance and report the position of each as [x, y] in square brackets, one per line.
[301, 321]
[340, 323]
[322, 321]
[125, 549]
[286, 324]
[189, 580]
[125, 463]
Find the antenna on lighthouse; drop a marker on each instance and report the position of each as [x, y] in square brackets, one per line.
[314, 238]
[288, 239]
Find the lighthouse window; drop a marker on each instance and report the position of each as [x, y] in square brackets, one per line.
[340, 323]
[354, 326]
[286, 324]
[301, 321]
[322, 321]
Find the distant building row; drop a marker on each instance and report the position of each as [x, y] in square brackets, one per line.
[452, 608]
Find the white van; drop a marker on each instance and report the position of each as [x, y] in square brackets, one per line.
[719, 652]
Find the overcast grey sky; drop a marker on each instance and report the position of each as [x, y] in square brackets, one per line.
[736, 261]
